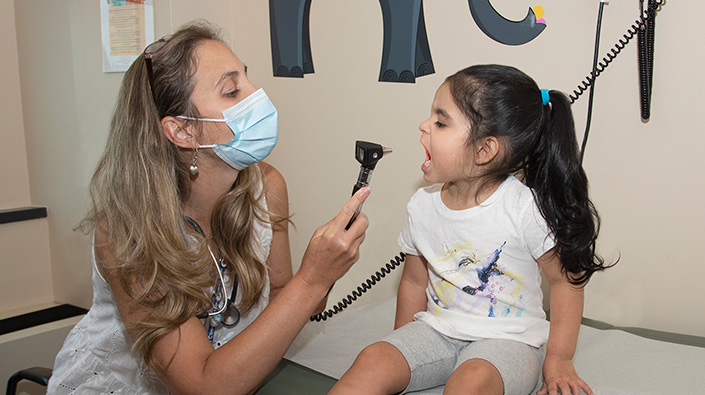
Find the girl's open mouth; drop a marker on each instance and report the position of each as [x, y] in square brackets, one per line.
[426, 163]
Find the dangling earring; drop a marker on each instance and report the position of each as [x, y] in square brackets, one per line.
[194, 167]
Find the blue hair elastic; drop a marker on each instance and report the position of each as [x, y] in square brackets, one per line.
[545, 97]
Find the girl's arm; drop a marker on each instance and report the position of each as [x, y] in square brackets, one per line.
[239, 366]
[411, 297]
[566, 306]
[279, 261]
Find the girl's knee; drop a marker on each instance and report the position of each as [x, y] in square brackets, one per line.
[475, 376]
[379, 369]
[381, 353]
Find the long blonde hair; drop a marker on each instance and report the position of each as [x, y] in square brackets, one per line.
[137, 193]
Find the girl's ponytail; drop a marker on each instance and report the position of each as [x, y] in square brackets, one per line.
[554, 172]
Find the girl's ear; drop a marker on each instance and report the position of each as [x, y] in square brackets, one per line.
[177, 133]
[486, 150]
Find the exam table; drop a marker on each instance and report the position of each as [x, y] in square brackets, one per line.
[611, 360]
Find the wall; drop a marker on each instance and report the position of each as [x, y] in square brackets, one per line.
[646, 177]
[11, 112]
[24, 246]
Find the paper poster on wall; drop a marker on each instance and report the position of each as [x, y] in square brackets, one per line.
[127, 26]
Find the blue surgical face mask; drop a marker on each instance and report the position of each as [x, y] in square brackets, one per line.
[254, 122]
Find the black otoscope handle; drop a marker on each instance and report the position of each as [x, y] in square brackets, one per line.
[367, 154]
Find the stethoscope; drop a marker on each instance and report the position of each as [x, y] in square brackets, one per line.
[228, 314]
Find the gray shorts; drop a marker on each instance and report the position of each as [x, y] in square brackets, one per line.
[433, 356]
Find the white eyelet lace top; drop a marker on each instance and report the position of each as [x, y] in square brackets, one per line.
[96, 358]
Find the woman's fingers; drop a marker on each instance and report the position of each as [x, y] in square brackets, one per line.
[332, 249]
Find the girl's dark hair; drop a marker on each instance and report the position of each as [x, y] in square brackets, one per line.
[538, 145]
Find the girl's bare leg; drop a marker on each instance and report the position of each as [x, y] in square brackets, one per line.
[475, 376]
[379, 369]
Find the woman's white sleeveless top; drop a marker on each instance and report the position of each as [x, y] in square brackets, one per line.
[96, 357]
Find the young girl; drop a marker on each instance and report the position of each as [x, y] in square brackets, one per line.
[469, 309]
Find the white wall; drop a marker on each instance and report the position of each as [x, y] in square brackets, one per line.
[24, 246]
[15, 156]
[646, 177]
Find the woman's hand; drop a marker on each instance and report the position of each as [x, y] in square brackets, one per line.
[332, 249]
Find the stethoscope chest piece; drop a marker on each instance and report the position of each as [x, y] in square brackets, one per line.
[231, 316]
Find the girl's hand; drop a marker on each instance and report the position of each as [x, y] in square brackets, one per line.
[332, 249]
[559, 376]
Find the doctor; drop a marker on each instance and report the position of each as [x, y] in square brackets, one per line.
[192, 277]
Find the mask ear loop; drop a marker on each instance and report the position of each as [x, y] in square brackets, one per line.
[200, 146]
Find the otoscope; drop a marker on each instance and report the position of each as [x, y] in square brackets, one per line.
[368, 154]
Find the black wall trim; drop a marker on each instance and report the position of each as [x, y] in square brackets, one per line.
[39, 317]
[22, 214]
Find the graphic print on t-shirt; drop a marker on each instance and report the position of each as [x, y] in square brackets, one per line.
[477, 283]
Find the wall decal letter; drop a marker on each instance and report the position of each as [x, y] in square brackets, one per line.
[406, 54]
[291, 43]
[501, 29]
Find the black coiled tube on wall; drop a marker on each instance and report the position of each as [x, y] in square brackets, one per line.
[361, 289]
[646, 57]
[644, 19]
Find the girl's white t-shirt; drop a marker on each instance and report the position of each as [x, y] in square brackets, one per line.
[484, 281]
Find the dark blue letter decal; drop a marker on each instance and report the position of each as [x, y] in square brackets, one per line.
[502, 30]
[405, 54]
[291, 43]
